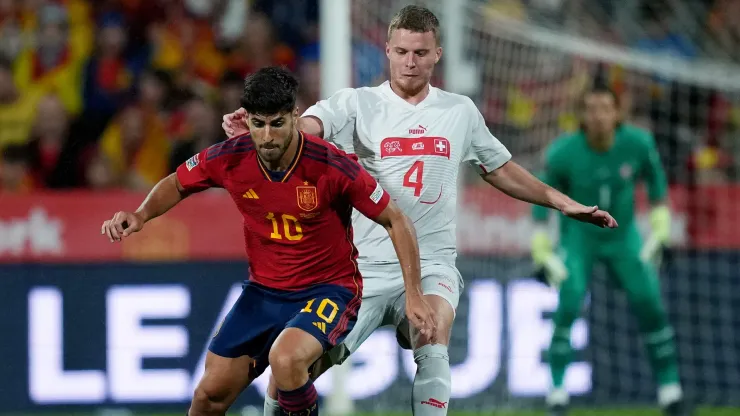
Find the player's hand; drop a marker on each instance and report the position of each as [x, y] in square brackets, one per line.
[123, 224]
[549, 267]
[235, 124]
[422, 317]
[591, 215]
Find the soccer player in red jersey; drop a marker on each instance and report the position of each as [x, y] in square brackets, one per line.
[296, 193]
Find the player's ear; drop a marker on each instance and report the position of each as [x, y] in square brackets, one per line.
[438, 53]
[388, 50]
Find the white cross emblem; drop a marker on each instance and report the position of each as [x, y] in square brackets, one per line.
[441, 146]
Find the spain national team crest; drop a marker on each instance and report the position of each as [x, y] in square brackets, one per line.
[308, 198]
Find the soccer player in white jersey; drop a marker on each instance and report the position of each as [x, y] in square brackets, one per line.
[412, 137]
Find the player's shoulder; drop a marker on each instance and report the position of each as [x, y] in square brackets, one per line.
[564, 144]
[635, 135]
[452, 99]
[235, 148]
[327, 154]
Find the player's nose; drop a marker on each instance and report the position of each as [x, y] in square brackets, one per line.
[410, 60]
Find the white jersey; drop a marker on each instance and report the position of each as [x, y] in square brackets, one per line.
[414, 151]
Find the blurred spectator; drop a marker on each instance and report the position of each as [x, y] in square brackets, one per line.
[259, 48]
[203, 129]
[17, 111]
[10, 29]
[186, 46]
[661, 36]
[310, 84]
[154, 89]
[297, 20]
[15, 176]
[55, 63]
[110, 73]
[135, 149]
[724, 29]
[51, 156]
[99, 174]
[230, 92]
[368, 62]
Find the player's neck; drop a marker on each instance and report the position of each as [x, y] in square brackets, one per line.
[601, 143]
[411, 97]
[288, 156]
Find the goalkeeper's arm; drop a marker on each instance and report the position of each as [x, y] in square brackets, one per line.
[548, 264]
[660, 214]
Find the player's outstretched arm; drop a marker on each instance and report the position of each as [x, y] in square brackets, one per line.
[165, 195]
[403, 234]
[517, 182]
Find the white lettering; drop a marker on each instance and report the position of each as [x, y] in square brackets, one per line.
[38, 234]
[231, 298]
[530, 336]
[129, 341]
[48, 381]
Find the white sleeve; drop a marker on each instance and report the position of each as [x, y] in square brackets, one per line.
[485, 153]
[336, 111]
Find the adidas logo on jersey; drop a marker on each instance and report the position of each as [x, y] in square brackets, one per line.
[321, 326]
[250, 194]
[418, 130]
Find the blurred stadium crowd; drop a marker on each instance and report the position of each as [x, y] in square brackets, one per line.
[116, 93]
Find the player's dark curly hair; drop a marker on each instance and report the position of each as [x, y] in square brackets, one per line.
[270, 90]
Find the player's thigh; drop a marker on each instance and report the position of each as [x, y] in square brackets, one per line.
[441, 285]
[637, 278]
[225, 378]
[329, 315]
[369, 318]
[250, 328]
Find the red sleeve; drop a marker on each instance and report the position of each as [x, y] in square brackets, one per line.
[202, 171]
[364, 192]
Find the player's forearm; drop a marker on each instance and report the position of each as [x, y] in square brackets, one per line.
[517, 182]
[166, 194]
[403, 235]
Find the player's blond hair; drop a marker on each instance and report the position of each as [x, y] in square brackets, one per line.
[416, 19]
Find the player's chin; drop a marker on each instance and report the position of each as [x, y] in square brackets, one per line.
[271, 154]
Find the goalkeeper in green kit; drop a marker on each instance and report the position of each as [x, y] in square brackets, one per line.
[601, 165]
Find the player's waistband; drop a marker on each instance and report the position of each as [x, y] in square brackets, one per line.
[284, 293]
[431, 259]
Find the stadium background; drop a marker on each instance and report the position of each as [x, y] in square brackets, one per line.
[100, 99]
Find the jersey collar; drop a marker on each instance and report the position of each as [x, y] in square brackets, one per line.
[388, 92]
[293, 164]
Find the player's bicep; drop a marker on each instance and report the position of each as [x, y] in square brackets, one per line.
[198, 173]
[485, 152]
[365, 193]
[334, 112]
[653, 172]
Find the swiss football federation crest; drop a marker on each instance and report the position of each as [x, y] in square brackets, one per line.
[625, 171]
[308, 197]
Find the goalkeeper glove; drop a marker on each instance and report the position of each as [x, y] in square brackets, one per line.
[547, 262]
[660, 227]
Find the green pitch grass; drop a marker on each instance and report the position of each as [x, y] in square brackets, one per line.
[575, 412]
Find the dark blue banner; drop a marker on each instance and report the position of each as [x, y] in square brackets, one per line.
[135, 335]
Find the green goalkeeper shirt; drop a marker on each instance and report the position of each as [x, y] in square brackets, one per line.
[606, 179]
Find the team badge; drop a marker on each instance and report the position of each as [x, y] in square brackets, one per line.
[626, 171]
[192, 162]
[308, 198]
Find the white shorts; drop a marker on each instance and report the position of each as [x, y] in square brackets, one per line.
[384, 303]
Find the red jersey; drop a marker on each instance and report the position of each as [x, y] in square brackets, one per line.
[297, 228]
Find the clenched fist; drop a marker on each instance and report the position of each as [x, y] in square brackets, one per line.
[122, 225]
